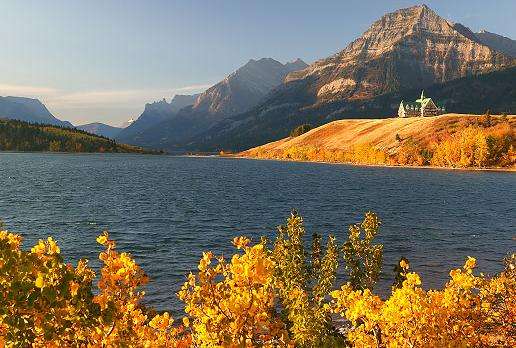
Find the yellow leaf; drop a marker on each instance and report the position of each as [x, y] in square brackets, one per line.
[40, 282]
[102, 239]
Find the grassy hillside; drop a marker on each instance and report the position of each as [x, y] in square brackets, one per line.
[23, 136]
[450, 140]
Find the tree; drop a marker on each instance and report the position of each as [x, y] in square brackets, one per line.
[303, 281]
[300, 130]
[363, 258]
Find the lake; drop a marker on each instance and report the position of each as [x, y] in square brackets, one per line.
[166, 210]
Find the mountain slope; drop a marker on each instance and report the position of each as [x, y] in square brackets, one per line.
[407, 50]
[29, 110]
[237, 93]
[498, 42]
[23, 136]
[153, 114]
[100, 129]
[244, 87]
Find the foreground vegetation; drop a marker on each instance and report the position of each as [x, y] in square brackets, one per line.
[264, 295]
[23, 136]
[474, 142]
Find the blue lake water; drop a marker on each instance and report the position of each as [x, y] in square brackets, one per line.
[167, 210]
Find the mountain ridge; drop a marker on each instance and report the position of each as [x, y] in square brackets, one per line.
[99, 128]
[153, 114]
[498, 42]
[236, 93]
[29, 110]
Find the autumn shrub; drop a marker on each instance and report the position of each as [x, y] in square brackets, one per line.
[475, 146]
[233, 303]
[303, 280]
[278, 295]
[470, 311]
[363, 258]
[411, 153]
[46, 302]
[365, 154]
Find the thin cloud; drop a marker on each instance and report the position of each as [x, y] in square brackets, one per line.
[193, 88]
[27, 91]
[58, 98]
[109, 106]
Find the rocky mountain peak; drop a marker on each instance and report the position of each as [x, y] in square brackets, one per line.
[245, 86]
[408, 48]
[295, 65]
[157, 105]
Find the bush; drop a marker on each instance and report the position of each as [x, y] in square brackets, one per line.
[475, 147]
[300, 130]
[260, 297]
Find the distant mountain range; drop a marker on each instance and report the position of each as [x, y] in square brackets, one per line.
[154, 113]
[34, 111]
[100, 129]
[238, 92]
[29, 110]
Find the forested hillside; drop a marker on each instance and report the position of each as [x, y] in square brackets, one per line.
[23, 136]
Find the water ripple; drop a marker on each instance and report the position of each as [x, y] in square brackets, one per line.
[167, 210]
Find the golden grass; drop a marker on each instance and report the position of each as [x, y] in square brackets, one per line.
[346, 135]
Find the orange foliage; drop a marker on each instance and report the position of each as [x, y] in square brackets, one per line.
[45, 302]
[261, 297]
[466, 144]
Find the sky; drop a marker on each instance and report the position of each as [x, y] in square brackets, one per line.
[102, 60]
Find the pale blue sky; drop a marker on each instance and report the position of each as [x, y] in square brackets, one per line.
[101, 60]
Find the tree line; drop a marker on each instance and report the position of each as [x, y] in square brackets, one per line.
[23, 136]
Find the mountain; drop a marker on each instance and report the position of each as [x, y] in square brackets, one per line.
[238, 92]
[153, 114]
[23, 136]
[29, 110]
[100, 129]
[244, 87]
[498, 42]
[407, 50]
[180, 101]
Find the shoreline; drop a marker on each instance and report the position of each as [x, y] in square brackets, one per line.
[488, 169]
[493, 169]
